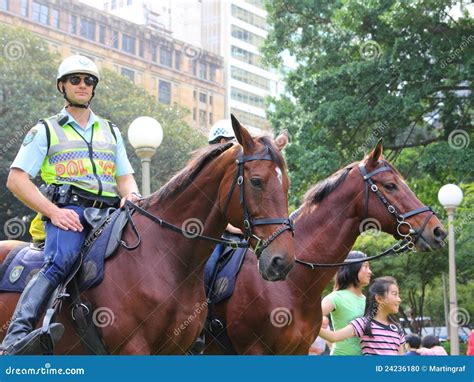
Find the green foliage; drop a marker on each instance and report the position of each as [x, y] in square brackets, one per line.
[28, 93]
[396, 69]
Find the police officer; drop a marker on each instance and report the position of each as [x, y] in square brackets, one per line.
[82, 159]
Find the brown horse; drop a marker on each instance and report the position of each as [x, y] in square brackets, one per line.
[285, 317]
[152, 298]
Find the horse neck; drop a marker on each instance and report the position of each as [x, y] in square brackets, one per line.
[324, 233]
[199, 202]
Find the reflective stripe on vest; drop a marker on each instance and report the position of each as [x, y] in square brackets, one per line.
[70, 160]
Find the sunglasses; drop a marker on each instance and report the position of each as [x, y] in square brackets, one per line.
[88, 80]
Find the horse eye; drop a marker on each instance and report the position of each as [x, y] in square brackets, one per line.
[256, 182]
[390, 186]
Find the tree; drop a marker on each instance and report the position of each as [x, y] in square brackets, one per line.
[28, 92]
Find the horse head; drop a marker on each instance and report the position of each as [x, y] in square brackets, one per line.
[389, 204]
[254, 197]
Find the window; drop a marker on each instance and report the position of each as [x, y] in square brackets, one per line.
[202, 118]
[246, 97]
[203, 70]
[102, 33]
[23, 8]
[210, 119]
[4, 5]
[141, 48]
[246, 56]
[212, 72]
[154, 52]
[164, 92]
[211, 100]
[40, 13]
[129, 2]
[55, 18]
[249, 17]
[165, 57]
[87, 29]
[249, 78]
[73, 28]
[113, 4]
[115, 39]
[194, 94]
[177, 60]
[250, 119]
[247, 36]
[128, 44]
[202, 97]
[130, 74]
[195, 64]
[194, 113]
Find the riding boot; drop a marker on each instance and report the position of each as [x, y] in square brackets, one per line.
[20, 337]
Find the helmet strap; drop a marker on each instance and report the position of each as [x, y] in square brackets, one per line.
[78, 105]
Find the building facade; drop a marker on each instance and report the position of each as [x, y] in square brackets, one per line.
[171, 70]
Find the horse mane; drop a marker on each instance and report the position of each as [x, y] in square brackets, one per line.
[200, 159]
[325, 187]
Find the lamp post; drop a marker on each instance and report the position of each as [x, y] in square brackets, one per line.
[145, 135]
[450, 196]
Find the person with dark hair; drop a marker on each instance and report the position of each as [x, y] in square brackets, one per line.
[430, 346]
[413, 343]
[347, 301]
[377, 330]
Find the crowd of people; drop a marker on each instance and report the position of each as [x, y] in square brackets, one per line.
[366, 325]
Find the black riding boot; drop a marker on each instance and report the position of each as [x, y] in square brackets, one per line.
[20, 337]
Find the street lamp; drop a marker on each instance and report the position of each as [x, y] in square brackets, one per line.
[450, 197]
[145, 135]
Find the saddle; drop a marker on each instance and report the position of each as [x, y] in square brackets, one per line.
[26, 260]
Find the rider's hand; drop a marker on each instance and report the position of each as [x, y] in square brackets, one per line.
[66, 219]
[134, 197]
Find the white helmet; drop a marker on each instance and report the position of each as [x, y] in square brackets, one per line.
[221, 129]
[77, 64]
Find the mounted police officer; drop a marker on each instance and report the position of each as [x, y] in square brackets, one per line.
[83, 162]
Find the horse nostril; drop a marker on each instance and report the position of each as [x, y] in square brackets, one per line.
[277, 262]
[439, 233]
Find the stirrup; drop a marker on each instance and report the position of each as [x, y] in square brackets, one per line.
[37, 342]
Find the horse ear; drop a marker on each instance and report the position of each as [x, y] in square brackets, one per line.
[242, 135]
[376, 153]
[282, 140]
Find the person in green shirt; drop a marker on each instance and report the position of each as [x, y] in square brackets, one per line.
[347, 302]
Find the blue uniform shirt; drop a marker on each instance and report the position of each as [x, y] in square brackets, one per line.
[35, 147]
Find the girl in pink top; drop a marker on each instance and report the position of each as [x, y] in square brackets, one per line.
[379, 333]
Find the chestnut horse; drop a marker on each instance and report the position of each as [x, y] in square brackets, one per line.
[285, 317]
[152, 299]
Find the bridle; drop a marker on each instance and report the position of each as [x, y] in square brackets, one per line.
[248, 223]
[408, 240]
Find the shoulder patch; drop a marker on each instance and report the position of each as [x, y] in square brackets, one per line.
[30, 136]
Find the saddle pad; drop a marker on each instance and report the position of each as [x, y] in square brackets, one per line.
[23, 262]
[221, 271]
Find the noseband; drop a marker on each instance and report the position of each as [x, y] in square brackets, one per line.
[287, 223]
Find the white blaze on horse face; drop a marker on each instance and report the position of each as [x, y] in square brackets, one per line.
[279, 175]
